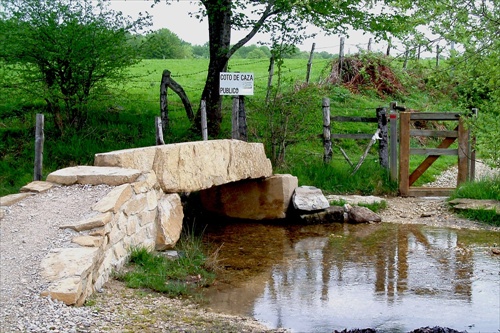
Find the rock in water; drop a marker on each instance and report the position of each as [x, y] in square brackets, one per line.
[359, 214]
[309, 198]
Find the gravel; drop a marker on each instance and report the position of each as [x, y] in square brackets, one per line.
[30, 229]
[434, 211]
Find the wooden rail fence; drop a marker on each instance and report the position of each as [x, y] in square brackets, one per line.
[380, 134]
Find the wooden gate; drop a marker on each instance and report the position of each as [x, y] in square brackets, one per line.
[406, 180]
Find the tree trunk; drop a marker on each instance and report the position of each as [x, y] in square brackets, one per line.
[219, 31]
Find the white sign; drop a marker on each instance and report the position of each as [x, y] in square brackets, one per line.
[236, 83]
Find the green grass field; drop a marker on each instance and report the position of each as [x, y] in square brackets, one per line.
[123, 117]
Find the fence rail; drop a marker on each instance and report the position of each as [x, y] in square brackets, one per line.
[381, 134]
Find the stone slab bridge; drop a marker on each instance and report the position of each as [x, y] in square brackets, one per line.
[144, 207]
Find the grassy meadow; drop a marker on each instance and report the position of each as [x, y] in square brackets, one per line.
[123, 117]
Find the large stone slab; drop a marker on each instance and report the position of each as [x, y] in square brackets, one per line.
[169, 223]
[114, 199]
[90, 223]
[194, 166]
[257, 199]
[92, 175]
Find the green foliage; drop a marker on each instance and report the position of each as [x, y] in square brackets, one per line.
[164, 44]
[485, 216]
[482, 189]
[374, 207]
[125, 119]
[175, 277]
[471, 77]
[65, 52]
[335, 178]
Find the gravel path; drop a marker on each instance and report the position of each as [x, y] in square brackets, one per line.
[30, 229]
[434, 211]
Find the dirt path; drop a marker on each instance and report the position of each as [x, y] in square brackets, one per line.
[432, 211]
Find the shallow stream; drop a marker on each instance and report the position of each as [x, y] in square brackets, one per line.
[389, 277]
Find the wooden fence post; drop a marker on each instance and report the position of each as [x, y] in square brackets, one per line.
[404, 153]
[463, 152]
[437, 55]
[159, 131]
[204, 129]
[309, 63]
[472, 150]
[341, 57]
[168, 82]
[393, 116]
[327, 142]
[234, 118]
[242, 119]
[383, 147]
[164, 99]
[270, 79]
[39, 140]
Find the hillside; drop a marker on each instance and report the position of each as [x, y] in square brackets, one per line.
[289, 125]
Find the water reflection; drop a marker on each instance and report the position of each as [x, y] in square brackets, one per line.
[390, 277]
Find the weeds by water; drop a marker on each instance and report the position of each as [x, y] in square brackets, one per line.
[181, 276]
[374, 206]
[336, 178]
[483, 189]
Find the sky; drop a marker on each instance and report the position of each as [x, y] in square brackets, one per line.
[175, 17]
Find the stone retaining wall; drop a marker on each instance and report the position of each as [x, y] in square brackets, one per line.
[130, 215]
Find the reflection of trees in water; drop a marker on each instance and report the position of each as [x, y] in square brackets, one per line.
[396, 259]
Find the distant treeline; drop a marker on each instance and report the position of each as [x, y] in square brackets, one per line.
[164, 44]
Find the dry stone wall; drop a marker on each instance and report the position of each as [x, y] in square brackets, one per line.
[130, 215]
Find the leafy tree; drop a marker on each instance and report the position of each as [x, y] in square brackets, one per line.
[65, 50]
[256, 54]
[201, 51]
[164, 44]
[286, 21]
[474, 72]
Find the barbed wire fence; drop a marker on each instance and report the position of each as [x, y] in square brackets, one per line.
[150, 80]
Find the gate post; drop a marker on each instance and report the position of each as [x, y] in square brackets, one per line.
[383, 149]
[394, 145]
[463, 152]
[404, 153]
[327, 141]
[472, 150]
